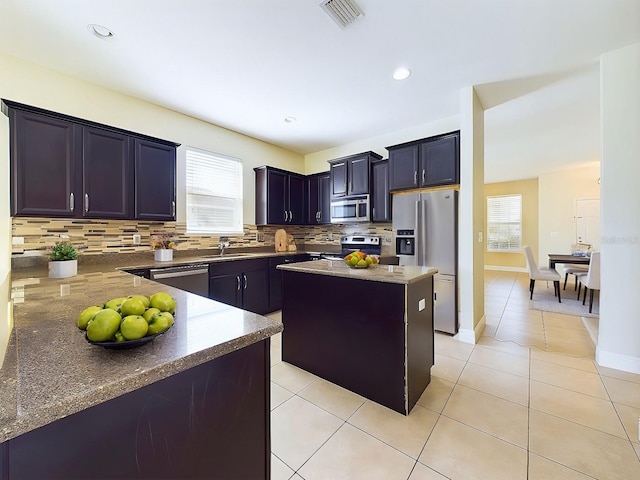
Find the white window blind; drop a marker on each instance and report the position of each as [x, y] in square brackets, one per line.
[214, 193]
[504, 223]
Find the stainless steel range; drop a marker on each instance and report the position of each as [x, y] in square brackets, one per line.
[369, 244]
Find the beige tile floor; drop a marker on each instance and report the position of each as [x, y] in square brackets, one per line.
[526, 402]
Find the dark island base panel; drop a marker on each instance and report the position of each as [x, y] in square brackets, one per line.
[351, 332]
[211, 421]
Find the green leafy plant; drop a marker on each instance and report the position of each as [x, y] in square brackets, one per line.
[63, 251]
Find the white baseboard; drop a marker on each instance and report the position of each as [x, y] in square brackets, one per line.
[618, 361]
[466, 335]
[505, 269]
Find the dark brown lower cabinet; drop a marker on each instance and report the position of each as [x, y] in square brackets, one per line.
[241, 283]
[373, 338]
[210, 421]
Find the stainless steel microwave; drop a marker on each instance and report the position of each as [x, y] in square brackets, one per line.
[350, 209]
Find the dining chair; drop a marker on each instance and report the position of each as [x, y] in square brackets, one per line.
[576, 270]
[591, 280]
[536, 273]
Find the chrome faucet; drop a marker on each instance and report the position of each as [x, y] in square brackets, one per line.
[224, 244]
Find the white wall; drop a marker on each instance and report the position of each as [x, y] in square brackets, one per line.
[557, 195]
[619, 332]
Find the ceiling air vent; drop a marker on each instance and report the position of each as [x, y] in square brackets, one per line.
[343, 12]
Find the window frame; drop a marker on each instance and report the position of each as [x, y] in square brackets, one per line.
[237, 225]
[506, 226]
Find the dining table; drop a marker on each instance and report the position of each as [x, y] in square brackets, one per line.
[568, 259]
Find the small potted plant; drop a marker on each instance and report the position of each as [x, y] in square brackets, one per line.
[64, 260]
[163, 245]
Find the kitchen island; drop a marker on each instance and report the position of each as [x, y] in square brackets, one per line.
[367, 330]
[194, 402]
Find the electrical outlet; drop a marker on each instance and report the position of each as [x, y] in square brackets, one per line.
[330, 237]
[17, 240]
[136, 239]
[259, 237]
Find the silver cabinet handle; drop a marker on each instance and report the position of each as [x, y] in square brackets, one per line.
[238, 282]
[290, 216]
[424, 175]
[285, 216]
[415, 177]
[86, 202]
[245, 280]
[173, 209]
[71, 201]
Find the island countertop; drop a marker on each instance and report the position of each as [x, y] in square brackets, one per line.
[50, 371]
[375, 273]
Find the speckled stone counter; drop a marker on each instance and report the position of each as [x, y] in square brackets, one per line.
[376, 273]
[50, 371]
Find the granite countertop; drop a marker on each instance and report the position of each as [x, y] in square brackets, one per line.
[50, 371]
[376, 273]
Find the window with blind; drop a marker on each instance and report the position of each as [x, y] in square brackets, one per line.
[504, 223]
[214, 193]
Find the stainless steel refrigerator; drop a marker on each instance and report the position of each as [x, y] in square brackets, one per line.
[426, 228]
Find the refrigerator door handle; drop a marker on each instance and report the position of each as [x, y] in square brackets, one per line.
[423, 232]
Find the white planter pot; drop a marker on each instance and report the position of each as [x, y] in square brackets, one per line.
[164, 255]
[63, 268]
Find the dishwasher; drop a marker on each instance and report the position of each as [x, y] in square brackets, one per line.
[190, 278]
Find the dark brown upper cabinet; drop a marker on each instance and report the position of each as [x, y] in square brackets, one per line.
[350, 175]
[63, 166]
[319, 198]
[425, 163]
[155, 173]
[280, 197]
[107, 174]
[380, 195]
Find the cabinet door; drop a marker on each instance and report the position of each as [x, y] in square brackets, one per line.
[440, 161]
[296, 202]
[255, 291]
[358, 175]
[339, 179]
[43, 166]
[324, 191]
[313, 199]
[226, 289]
[276, 197]
[380, 198]
[155, 179]
[403, 167]
[106, 174]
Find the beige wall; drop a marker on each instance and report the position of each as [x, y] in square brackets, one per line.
[529, 191]
[34, 85]
[558, 192]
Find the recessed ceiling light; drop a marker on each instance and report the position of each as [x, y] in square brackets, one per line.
[291, 120]
[401, 73]
[99, 30]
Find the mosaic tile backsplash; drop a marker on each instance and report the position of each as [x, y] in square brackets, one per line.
[96, 237]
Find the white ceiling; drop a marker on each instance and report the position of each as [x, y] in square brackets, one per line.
[248, 64]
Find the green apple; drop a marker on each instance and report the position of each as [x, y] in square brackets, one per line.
[86, 315]
[119, 337]
[132, 306]
[134, 327]
[104, 325]
[163, 302]
[160, 322]
[114, 304]
[143, 298]
[150, 312]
